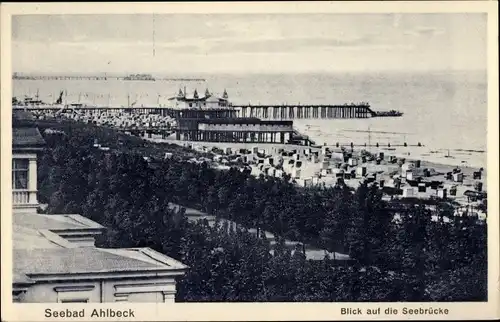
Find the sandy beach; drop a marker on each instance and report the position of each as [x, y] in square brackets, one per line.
[437, 160]
[234, 146]
[385, 171]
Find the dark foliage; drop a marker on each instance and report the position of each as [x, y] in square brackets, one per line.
[418, 257]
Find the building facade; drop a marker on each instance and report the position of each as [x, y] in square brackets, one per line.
[27, 142]
[242, 130]
[54, 255]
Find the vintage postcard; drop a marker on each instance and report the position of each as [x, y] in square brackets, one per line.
[249, 161]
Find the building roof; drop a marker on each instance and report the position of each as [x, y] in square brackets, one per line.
[89, 260]
[54, 222]
[210, 98]
[18, 278]
[189, 211]
[188, 99]
[213, 99]
[21, 115]
[242, 120]
[472, 193]
[29, 238]
[39, 251]
[207, 109]
[27, 137]
[146, 255]
[192, 99]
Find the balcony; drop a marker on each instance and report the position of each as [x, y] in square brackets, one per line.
[24, 200]
[20, 197]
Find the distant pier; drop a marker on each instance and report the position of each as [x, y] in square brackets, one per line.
[101, 78]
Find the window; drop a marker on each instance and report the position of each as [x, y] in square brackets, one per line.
[74, 293]
[20, 169]
[75, 301]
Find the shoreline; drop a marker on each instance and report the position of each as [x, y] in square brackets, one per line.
[430, 155]
[453, 157]
[449, 152]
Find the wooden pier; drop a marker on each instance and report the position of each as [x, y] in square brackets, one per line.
[101, 78]
[64, 77]
[263, 112]
[292, 112]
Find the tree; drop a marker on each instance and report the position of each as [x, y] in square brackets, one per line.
[425, 255]
[338, 208]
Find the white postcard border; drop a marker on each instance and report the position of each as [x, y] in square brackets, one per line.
[255, 311]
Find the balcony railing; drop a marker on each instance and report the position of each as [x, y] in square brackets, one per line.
[23, 197]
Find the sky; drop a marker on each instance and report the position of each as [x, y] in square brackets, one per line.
[234, 43]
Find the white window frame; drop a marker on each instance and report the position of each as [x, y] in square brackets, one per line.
[74, 300]
[74, 294]
[27, 170]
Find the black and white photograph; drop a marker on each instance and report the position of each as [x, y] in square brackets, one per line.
[249, 157]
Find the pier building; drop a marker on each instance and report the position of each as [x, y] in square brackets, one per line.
[214, 119]
[234, 130]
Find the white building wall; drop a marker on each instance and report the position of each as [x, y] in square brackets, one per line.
[53, 292]
[139, 289]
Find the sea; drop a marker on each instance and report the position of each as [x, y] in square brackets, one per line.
[446, 112]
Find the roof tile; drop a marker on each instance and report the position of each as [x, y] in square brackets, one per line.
[27, 137]
[75, 260]
[51, 222]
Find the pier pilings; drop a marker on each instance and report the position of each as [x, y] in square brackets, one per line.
[291, 112]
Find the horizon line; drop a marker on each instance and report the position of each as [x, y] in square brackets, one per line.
[222, 72]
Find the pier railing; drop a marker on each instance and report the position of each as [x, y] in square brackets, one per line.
[290, 112]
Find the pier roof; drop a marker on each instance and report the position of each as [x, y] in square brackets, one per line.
[208, 108]
[241, 120]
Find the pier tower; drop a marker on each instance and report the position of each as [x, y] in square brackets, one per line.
[184, 101]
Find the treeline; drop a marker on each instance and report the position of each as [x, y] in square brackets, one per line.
[115, 140]
[411, 255]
